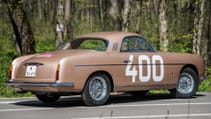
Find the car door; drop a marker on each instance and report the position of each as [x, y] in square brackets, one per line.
[142, 66]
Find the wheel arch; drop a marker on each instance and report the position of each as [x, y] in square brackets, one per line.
[193, 67]
[102, 72]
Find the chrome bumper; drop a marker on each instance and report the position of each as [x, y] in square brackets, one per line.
[40, 84]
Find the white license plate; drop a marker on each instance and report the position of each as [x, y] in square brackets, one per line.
[31, 71]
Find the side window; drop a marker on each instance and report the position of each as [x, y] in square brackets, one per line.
[96, 44]
[136, 44]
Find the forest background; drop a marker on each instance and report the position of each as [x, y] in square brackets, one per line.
[31, 26]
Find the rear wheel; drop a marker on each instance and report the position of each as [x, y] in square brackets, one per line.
[97, 90]
[48, 97]
[187, 84]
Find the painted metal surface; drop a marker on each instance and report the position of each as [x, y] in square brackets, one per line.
[128, 71]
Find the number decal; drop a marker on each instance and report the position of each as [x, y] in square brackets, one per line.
[157, 58]
[151, 68]
[132, 72]
[141, 59]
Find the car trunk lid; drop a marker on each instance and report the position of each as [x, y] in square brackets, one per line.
[43, 67]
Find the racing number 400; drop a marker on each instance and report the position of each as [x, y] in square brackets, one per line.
[151, 65]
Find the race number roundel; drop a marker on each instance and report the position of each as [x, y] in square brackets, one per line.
[154, 68]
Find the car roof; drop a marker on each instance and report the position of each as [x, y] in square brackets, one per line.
[114, 36]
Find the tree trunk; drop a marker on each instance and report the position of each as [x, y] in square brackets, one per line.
[126, 15]
[163, 26]
[101, 13]
[23, 34]
[209, 38]
[68, 18]
[206, 36]
[40, 8]
[60, 24]
[138, 16]
[115, 15]
[199, 40]
[52, 10]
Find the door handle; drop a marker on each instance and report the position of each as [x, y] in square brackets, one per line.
[126, 61]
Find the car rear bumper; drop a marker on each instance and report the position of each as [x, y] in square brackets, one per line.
[53, 84]
[42, 86]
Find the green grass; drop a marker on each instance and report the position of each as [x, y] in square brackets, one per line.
[205, 85]
[159, 91]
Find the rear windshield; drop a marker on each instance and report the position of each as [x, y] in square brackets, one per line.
[90, 44]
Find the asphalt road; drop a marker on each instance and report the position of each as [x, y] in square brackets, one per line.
[122, 106]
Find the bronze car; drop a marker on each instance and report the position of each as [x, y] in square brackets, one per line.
[99, 63]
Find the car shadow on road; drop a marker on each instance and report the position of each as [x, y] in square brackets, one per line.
[76, 101]
[61, 103]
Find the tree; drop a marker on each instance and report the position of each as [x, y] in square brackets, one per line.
[23, 34]
[198, 26]
[40, 8]
[101, 13]
[115, 15]
[206, 33]
[163, 26]
[60, 24]
[209, 34]
[138, 15]
[200, 41]
[68, 18]
[126, 15]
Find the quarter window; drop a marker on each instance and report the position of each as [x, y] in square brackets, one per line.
[90, 44]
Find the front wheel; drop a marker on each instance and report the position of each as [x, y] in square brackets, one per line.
[97, 90]
[187, 84]
[47, 97]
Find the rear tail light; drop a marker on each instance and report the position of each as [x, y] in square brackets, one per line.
[57, 72]
[10, 71]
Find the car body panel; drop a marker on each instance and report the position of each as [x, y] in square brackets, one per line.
[75, 66]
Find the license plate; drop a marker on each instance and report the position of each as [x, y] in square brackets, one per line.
[31, 71]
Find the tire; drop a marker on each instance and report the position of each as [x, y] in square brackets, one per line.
[97, 90]
[48, 97]
[139, 93]
[187, 84]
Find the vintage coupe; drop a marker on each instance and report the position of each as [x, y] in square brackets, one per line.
[99, 63]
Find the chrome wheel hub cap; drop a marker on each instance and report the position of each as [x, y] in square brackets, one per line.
[97, 88]
[186, 83]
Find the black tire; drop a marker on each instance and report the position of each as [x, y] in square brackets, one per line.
[48, 97]
[139, 93]
[187, 84]
[97, 90]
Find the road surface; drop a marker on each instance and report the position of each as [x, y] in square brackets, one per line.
[123, 106]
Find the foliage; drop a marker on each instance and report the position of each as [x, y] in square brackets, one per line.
[206, 84]
[44, 42]
[5, 90]
[181, 44]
